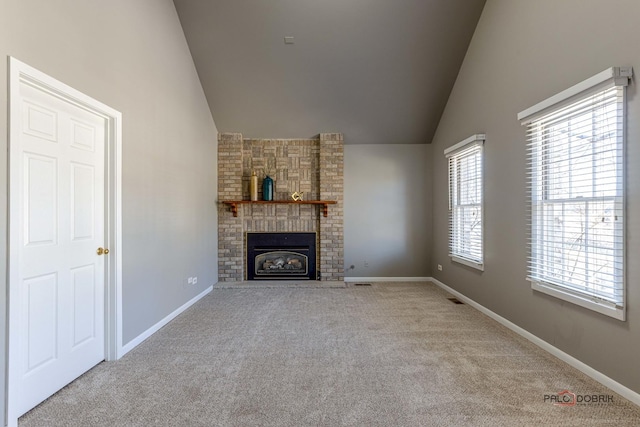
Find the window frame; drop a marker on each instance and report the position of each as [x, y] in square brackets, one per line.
[615, 77]
[452, 154]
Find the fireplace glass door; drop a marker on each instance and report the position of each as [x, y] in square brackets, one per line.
[281, 262]
[281, 256]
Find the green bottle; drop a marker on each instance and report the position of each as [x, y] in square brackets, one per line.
[267, 188]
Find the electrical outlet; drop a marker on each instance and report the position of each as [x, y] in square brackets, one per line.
[366, 264]
[439, 267]
[195, 280]
[190, 281]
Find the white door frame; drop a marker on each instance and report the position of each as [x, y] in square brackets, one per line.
[21, 73]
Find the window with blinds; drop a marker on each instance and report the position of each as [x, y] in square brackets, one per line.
[575, 151]
[465, 202]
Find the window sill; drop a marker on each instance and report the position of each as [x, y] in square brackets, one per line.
[600, 307]
[467, 262]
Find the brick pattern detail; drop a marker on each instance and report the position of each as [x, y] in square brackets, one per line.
[332, 188]
[230, 242]
[294, 165]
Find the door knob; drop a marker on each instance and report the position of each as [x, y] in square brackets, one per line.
[101, 251]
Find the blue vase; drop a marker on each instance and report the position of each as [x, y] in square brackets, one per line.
[267, 188]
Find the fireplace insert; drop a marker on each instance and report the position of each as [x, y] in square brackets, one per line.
[281, 256]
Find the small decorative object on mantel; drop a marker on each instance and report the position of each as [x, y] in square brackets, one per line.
[297, 196]
[267, 188]
[267, 182]
[253, 186]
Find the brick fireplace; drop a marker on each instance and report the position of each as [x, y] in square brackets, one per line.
[313, 166]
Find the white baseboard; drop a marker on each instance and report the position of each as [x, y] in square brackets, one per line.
[155, 328]
[622, 390]
[387, 279]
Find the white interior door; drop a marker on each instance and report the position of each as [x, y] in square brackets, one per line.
[59, 165]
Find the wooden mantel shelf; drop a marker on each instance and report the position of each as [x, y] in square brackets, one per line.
[234, 204]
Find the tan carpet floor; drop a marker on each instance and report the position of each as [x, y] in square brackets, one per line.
[393, 354]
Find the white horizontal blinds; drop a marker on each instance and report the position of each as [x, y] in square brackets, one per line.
[465, 202]
[575, 184]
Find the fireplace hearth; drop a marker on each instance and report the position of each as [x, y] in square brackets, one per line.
[281, 256]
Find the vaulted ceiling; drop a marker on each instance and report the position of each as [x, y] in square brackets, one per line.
[379, 71]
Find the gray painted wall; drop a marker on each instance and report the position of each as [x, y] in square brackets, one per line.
[132, 55]
[387, 211]
[522, 52]
[3, 205]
